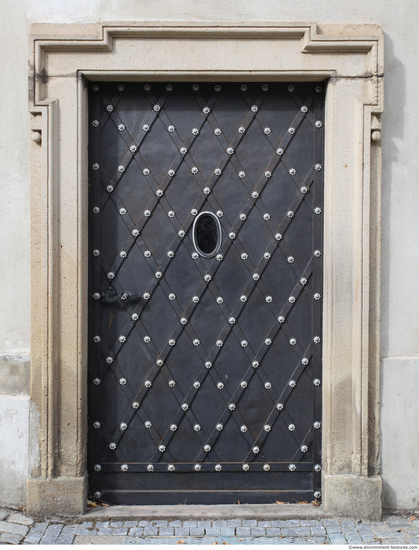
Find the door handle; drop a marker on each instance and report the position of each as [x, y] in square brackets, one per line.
[110, 296]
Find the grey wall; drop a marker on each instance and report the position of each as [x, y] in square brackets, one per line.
[400, 230]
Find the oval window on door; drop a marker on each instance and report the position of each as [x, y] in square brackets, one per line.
[206, 234]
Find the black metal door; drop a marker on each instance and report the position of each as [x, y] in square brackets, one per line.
[205, 338]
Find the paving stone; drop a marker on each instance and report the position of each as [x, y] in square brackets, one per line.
[213, 531]
[234, 522]
[354, 539]
[150, 530]
[219, 523]
[15, 528]
[100, 524]
[317, 530]
[250, 523]
[116, 524]
[105, 531]
[303, 531]
[83, 531]
[293, 523]
[48, 540]
[121, 531]
[228, 531]
[130, 524]
[189, 524]
[307, 522]
[136, 531]
[196, 531]
[65, 539]
[333, 529]
[337, 538]
[243, 531]
[265, 523]
[33, 538]
[54, 530]
[181, 531]
[258, 531]
[86, 524]
[20, 518]
[150, 523]
[278, 523]
[10, 538]
[4, 513]
[348, 525]
[367, 538]
[166, 531]
[40, 527]
[69, 530]
[204, 524]
[176, 523]
[289, 531]
[159, 523]
[273, 531]
[328, 522]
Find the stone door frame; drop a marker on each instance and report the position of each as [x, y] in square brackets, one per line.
[62, 59]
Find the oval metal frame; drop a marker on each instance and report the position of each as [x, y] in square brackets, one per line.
[220, 235]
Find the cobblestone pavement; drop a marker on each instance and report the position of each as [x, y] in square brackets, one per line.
[16, 528]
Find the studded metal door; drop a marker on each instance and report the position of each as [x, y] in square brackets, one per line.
[205, 365]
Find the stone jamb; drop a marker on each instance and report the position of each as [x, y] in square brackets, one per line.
[62, 59]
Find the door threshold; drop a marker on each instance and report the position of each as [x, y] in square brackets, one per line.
[211, 511]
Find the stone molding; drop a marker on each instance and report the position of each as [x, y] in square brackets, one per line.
[349, 58]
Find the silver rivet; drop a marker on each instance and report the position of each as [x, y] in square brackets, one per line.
[95, 166]
[220, 300]
[183, 150]
[109, 188]
[96, 425]
[123, 254]
[171, 214]
[317, 253]
[194, 255]
[242, 174]
[121, 88]
[159, 193]
[243, 428]
[194, 170]
[98, 467]
[303, 190]
[122, 339]
[134, 316]
[255, 195]
[197, 427]
[291, 299]
[95, 88]
[123, 211]
[207, 278]
[96, 381]
[245, 467]
[243, 299]
[122, 381]
[162, 448]
[207, 448]
[220, 385]
[291, 88]
[185, 407]
[280, 152]
[266, 217]
[230, 150]
[318, 89]
[316, 339]
[217, 88]
[292, 383]
[318, 124]
[316, 425]
[150, 468]
[208, 364]
[146, 127]
[206, 110]
[173, 427]
[255, 277]
[317, 494]
[95, 123]
[123, 426]
[267, 428]
[170, 254]
[121, 169]
[183, 321]
[304, 448]
[280, 406]
[217, 172]
[217, 131]
[195, 131]
[219, 343]
[290, 214]
[109, 360]
[171, 129]
[304, 109]
[196, 342]
[109, 108]
[292, 172]
[291, 131]
[317, 467]
[266, 467]
[96, 252]
[243, 384]
[146, 296]
[220, 213]
[232, 407]
[159, 363]
[171, 173]
[255, 364]
[268, 174]
[147, 339]
[317, 296]
[121, 127]
[268, 341]
[219, 427]
[268, 385]
[218, 468]
[304, 361]
[156, 108]
[292, 467]
[232, 235]
[291, 427]
[172, 342]
[243, 88]
[197, 467]
[254, 109]
[147, 253]
[181, 233]
[135, 232]
[318, 167]
[278, 236]
[158, 275]
[112, 446]
[219, 257]
[244, 343]
[196, 385]
[232, 320]
[317, 210]
[290, 259]
[293, 341]
[303, 281]
[207, 190]
[256, 449]
[316, 382]
[195, 87]
[267, 131]
[171, 468]
[195, 299]
[135, 405]
[244, 256]
[242, 130]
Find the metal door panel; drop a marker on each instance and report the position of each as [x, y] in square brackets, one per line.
[170, 371]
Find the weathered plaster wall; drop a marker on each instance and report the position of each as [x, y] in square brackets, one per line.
[400, 253]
